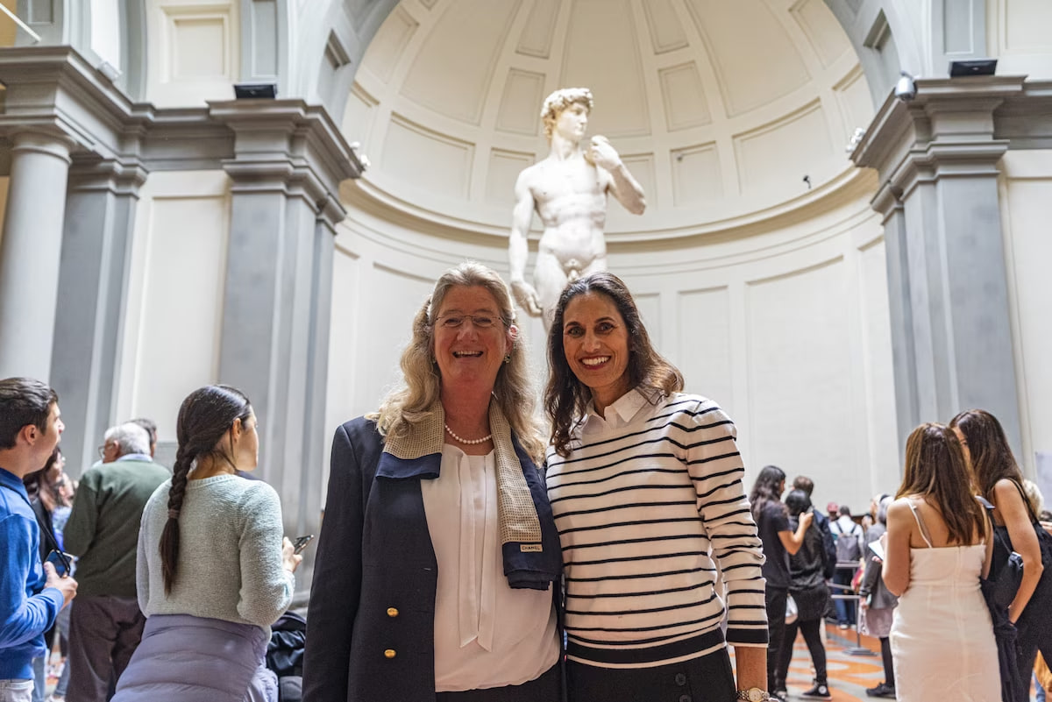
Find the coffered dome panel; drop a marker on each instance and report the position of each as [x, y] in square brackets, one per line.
[720, 109]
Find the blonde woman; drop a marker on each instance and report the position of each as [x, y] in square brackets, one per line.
[438, 553]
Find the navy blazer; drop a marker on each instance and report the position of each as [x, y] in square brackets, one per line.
[371, 619]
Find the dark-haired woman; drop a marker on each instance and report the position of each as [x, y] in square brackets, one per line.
[937, 546]
[779, 542]
[807, 586]
[645, 484]
[214, 571]
[999, 480]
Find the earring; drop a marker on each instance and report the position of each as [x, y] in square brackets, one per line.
[507, 358]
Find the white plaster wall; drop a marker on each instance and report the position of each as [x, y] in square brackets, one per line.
[786, 327]
[1019, 34]
[105, 30]
[193, 51]
[171, 333]
[1026, 210]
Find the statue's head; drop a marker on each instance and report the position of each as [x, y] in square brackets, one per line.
[558, 101]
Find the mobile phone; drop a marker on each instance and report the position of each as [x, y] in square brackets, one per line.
[62, 562]
[301, 543]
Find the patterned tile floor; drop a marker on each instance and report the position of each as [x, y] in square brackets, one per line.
[849, 674]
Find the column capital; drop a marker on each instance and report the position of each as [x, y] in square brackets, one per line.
[289, 146]
[53, 89]
[887, 202]
[950, 120]
[43, 139]
[121, 176]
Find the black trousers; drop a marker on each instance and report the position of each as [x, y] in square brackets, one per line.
[1032, 639]
[889, 669]
[546, 687]
[707, 678]
[775, 599]
[813, 638]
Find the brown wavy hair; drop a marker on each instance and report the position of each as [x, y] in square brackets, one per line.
[513, 390]
[566, 398]
[992, 458]
[936, 471]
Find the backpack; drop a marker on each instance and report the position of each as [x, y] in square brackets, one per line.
[847, 545]
[828, 549]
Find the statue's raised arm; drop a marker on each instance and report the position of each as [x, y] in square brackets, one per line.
[568, 190]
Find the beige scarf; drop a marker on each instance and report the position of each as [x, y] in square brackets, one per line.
[515, 509]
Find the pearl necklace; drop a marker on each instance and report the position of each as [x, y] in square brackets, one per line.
[460, 439]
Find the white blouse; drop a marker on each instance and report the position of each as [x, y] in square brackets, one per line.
[487, 634]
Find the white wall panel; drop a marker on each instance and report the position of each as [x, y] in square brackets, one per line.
[649, 305]
[385, 50]
[468, 64]
[775, 157]
[174, 316]
[344, 340]
[799, 374]
[821, 27]
[105, 31]
[193, 51]
[877, 368]
[1027, 212]
[598, 60]
[427, 160]
[536, 37]
[394, 298]
[504, 169]
[703, 319]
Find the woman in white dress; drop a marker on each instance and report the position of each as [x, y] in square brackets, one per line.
[936, 548]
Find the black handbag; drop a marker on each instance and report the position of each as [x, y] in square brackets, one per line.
[1005, 577]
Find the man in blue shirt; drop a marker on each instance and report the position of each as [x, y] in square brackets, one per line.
[31, 594]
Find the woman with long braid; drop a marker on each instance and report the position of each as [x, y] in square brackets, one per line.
[214, 571]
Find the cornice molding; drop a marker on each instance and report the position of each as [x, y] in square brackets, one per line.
[850, 184]
[294, 146]
[953, 121]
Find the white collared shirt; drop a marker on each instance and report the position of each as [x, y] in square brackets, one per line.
[487, 634]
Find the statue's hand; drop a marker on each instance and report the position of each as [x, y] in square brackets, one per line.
[527, 297]
[602, 154]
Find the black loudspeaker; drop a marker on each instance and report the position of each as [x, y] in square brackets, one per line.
[255, 91]
[979, 67]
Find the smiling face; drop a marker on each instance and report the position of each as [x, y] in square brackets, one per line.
[470, 338]
[595, 342]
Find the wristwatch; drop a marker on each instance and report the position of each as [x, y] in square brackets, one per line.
[754, 694]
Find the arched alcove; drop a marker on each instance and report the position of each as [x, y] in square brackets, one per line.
[769, 291]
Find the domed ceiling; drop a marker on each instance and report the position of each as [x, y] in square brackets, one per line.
[720, 108]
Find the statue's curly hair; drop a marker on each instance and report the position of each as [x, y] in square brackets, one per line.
[559, 101]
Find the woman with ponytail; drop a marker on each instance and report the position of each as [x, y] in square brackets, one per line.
[214, 571]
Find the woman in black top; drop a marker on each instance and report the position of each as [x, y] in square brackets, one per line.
[779, 541]
[998, 479]
[807, 585]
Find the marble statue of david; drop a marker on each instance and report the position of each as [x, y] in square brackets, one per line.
[569, 191]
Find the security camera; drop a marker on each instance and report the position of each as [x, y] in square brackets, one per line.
[905, 88]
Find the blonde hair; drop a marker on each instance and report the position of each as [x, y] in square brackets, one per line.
[559, 101]
[513, 390]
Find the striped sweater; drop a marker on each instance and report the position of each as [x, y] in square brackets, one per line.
[649, 504]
